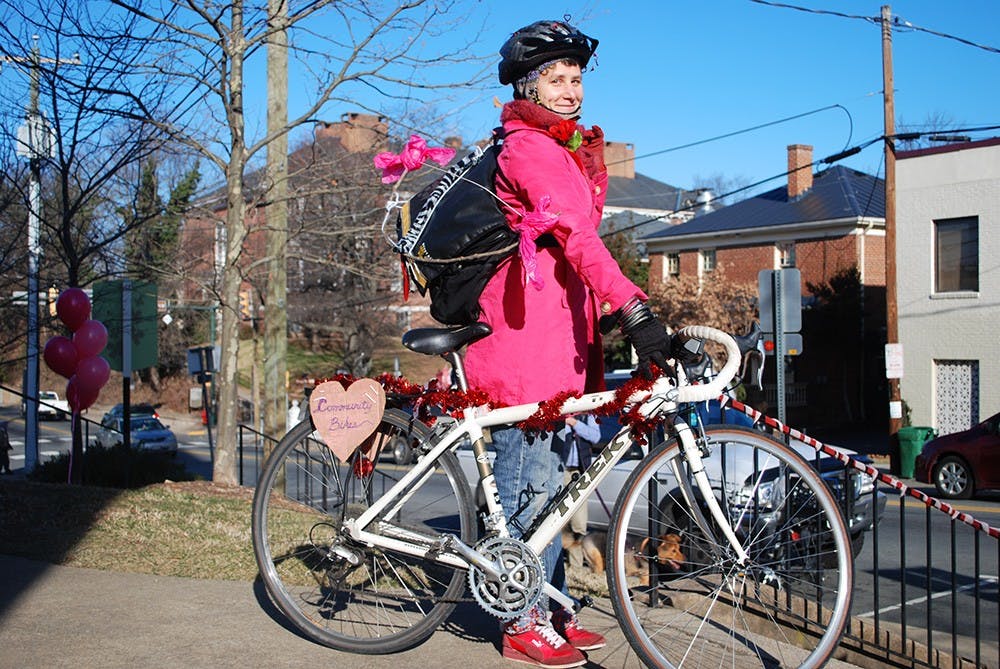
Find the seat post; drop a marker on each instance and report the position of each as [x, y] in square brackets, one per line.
[455, 358]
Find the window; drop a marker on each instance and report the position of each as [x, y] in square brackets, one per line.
[786, 254]
[707, 260]
[956, 254]
[673, 264]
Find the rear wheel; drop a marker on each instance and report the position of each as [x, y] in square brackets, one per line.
[337, 591]
[953, 479]
[678, 590]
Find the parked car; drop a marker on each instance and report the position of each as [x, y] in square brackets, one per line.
[147, 433]
[49, 406]
[962, 463]
[853, 488]
[136, 410]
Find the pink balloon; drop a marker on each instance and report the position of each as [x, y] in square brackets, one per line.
[93, 372]
[80, 397]
[90, 338]
[73, 308]
[61, 356]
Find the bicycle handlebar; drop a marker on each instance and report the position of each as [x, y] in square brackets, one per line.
[711, 390]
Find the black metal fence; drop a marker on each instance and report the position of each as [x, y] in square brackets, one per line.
[925, 592]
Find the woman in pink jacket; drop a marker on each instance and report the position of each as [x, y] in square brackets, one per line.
[544, 305]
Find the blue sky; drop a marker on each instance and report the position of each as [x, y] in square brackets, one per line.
[672, 72]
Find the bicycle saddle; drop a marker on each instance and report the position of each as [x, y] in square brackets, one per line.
[438, 341]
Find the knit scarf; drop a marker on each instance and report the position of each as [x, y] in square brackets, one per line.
[590, 154]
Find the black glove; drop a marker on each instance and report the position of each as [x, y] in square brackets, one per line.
[647, 335]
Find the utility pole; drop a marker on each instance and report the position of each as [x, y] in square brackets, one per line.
[275, 409]
[891, 320]
[36, 143]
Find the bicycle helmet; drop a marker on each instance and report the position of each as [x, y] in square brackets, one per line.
[540, 43]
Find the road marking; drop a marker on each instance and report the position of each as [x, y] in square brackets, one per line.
[893, 500]
[988, 580]
[48, 454]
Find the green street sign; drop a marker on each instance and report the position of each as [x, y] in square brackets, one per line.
[107, 308]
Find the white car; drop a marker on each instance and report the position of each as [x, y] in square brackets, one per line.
[50, 406]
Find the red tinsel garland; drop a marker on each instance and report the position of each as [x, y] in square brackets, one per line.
[423, 400]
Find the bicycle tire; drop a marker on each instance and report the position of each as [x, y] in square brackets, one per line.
[387, 602]
[787, 607]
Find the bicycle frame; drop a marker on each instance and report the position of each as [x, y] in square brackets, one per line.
[662, 399]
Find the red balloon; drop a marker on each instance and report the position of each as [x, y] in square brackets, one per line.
[80, 397]
[73, 308]
[61, 356]
[93, 372]
[90, 338]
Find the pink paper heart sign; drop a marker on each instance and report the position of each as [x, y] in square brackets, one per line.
[346, 418]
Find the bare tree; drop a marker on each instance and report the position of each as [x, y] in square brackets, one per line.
[350, 50]
[937, 126]
[94, 88]
[723, 304]
[724, 190]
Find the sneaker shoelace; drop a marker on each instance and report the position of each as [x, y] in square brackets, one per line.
[549, 633]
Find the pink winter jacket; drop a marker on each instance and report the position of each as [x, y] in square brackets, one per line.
[546, 341]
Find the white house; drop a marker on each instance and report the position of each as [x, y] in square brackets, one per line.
[948, 273]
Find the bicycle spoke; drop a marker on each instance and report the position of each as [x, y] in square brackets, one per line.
[339, 592]
[785, 607]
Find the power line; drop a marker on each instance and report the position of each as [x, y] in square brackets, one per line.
[750, 129]
[829, 160]
[897, 22]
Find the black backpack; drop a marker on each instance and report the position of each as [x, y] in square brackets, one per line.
[452, 235]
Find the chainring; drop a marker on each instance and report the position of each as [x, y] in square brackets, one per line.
[521, 579]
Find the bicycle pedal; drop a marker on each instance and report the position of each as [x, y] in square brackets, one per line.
[584, 602]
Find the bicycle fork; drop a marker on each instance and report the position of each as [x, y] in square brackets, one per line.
[692, 454]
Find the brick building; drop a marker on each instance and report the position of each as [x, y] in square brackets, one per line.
[825, 224]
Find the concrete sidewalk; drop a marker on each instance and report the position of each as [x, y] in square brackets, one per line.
[53, 616]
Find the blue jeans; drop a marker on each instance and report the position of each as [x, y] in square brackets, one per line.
[524, 465]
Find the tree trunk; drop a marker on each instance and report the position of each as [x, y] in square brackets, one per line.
[224, 467]
[275, 409]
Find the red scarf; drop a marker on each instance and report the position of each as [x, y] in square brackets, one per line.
[589, 156]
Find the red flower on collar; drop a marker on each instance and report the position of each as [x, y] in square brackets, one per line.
[567, 133]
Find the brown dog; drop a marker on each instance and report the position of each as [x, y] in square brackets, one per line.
[669, 556]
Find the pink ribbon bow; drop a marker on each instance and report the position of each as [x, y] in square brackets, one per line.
[412, 157]
[533, 225]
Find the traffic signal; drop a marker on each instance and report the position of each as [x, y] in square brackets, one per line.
[793, 343]
[246, 313]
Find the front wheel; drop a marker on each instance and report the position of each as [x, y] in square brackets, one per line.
[952, 478]
[339, 592]
[677, 587]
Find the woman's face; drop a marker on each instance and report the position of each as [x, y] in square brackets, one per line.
[560, 88]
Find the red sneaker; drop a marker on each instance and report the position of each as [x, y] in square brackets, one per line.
[568, 625]
[539, 645]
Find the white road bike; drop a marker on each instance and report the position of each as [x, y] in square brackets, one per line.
[372, 559]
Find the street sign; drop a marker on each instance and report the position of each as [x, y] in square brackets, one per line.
[108, 309]
[893, 361]
[789, 299]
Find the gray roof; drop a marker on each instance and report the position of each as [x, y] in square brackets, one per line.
[642, 192]
[838, 193]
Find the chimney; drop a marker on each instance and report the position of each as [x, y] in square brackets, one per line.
[799, 180]
[357, 132]
[620, 159]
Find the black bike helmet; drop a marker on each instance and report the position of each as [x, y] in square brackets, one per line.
[540, 43]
